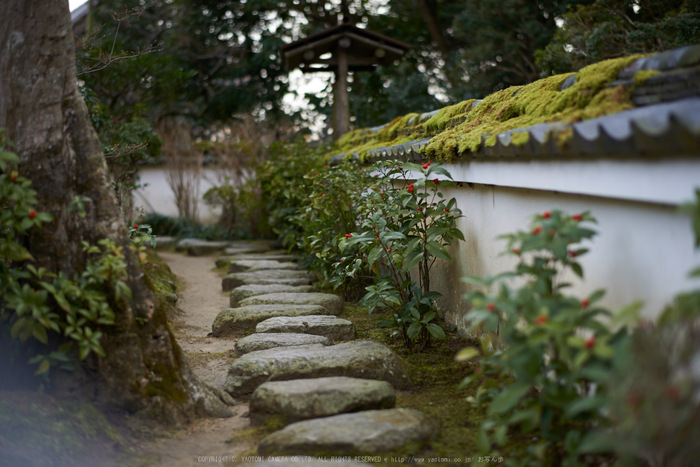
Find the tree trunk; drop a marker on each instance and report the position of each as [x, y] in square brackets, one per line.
[44, 113]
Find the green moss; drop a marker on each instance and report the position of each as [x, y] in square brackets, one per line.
[459, 128]
[520, 138]
[641, 76]
[36, 429]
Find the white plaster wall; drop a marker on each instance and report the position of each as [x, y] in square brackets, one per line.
[158, 197]
[643, 250]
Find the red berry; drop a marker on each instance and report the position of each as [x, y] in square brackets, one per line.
[409, 188]
[590, 343]
[436, 181]
[546, 215]
[348, 235]
[389, 249]
[634, 399]
[585, 303]
[136, 226]
[32, 214]
[516, 251]
[490, 306]
[577, 217]
[426, 165]
[447, 210]
[420, 208]
[572, 253]
[13, 176]
[672, 392]
[536, 230]
[541, 319]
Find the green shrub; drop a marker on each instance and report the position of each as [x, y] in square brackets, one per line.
[284, 189]
[34, 302]
[242, 210]
[183, 227]
[547, 356]
[404, 229]
[654, 395]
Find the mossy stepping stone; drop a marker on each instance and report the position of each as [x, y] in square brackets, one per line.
[258, 341]
[273, 276]
[196, 247]
[331, 302]
[366, 359]
[229, 321]
[237, 265]
[303, 399]
[329, 326]
[362, 433]
[245, 291]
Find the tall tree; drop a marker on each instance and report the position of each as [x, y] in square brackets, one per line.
[143, 367]
[613, 28]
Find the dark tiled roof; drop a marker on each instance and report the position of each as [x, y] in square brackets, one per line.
[664, 122]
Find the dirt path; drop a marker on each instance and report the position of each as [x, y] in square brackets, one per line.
[201, 299]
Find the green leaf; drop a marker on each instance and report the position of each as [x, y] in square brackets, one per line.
[393, 236]
[578, 270]
[466, 353]
[413, 330]
[44, 367]
[437, 250]
[597, 441]
[412, 260]
[436, 331]
[482, 442]
[584, 404]
[374, 254]
[17, 327]
[39, 333]
[508, 398]
[428, 317]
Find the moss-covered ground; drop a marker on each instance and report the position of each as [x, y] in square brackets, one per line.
[38, 430]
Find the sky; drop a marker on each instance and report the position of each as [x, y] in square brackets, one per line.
[75, 4]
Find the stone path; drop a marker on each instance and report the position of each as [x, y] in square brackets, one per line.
[333, 398]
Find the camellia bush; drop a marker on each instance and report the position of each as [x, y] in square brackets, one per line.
[405, 226]
[35, 303]
[547, 356]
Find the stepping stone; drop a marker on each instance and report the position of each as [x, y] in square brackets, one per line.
[247, 248]
[303, 399]
[258, 341]
[366, 359]
[245, 291]
[224, 261]
[329, 326]
[241, 265]
[273, 276]
[331, 302]
[165, 242]
[232, 320]
[196, 247]
[362, 433]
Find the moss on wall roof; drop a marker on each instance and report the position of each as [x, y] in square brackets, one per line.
[559, 101]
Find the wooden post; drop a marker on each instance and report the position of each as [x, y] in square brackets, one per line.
[341, 102]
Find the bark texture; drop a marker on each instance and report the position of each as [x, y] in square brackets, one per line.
[45, 116]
